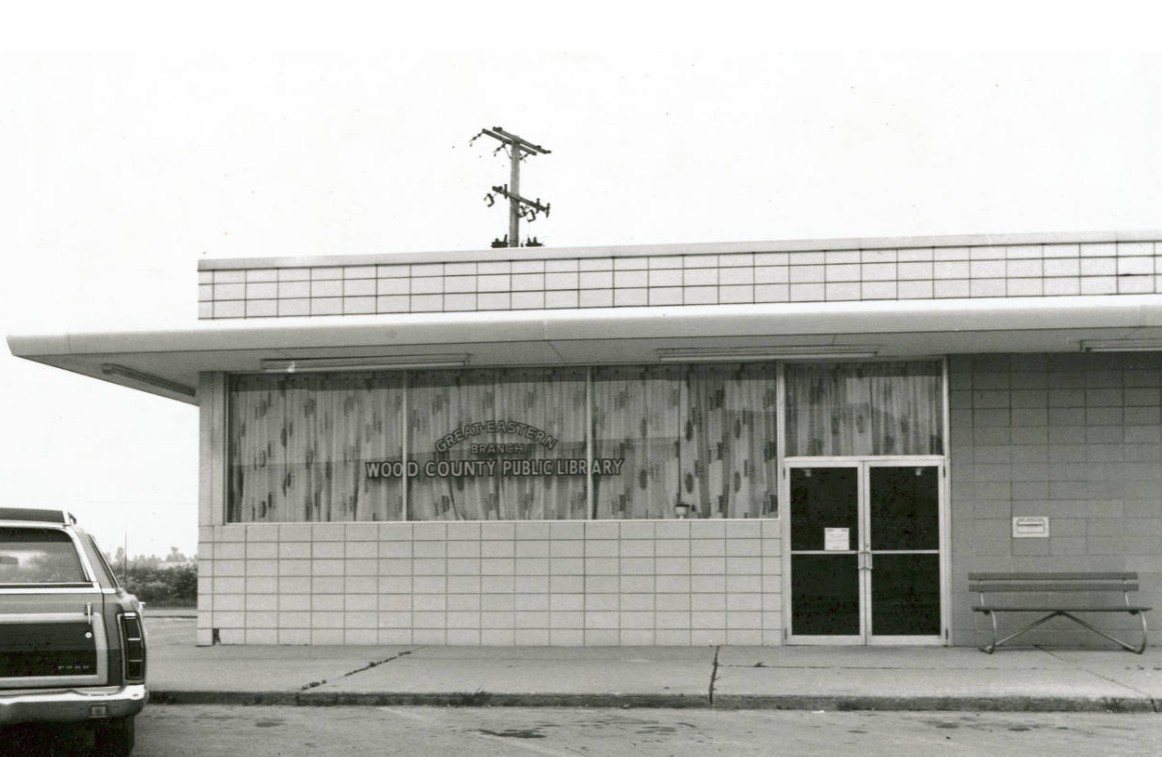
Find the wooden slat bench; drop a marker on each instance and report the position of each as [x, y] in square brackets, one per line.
[1056, 594]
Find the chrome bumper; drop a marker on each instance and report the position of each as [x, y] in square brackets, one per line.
[71, 705]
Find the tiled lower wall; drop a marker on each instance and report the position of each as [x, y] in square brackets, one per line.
[1073, 437]
[601, 583]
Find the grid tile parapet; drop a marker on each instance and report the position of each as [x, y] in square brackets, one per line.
[673, 280]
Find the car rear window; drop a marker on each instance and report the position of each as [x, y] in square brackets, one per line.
[38, 556]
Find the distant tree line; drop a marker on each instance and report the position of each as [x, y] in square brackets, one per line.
[170, 581]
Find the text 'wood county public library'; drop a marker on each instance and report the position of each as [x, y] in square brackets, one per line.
[741, 443]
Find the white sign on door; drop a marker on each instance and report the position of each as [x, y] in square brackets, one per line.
[836, 539]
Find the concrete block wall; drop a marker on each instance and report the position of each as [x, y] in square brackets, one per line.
[592, 583]
[1074, 437]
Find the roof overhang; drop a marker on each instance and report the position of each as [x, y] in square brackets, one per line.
[167, 362]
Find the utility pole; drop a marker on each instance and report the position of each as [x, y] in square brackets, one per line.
[518, 207]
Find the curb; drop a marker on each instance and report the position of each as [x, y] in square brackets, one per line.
[404, 699]
[935, 704]
[617, 701]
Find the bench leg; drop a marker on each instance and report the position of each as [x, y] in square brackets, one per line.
[1137, 650]
[990, 648]
[996, 643]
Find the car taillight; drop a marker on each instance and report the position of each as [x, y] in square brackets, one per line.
[133, 647]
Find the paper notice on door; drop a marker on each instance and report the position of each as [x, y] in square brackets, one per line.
[836, 539]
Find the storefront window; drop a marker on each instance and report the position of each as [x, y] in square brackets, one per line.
[892, 408]
[488, 445]
[701, 437]
[636, 419]
[514, 444]
[299, 445]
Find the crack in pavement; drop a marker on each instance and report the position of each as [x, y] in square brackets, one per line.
[714, 674]
[1154, 703]
[368, 666]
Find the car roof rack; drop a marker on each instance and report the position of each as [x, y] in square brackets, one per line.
[37, 515]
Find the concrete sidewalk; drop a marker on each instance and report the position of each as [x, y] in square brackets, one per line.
[813, 678]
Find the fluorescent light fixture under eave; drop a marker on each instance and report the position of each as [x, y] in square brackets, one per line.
[1121, 345]
[370, 363]
[157, 382]
[754, 354]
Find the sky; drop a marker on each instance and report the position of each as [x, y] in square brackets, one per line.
[119, 171]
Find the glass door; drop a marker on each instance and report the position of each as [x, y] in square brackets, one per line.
[826, 556]
[865, 561]
[903, 552]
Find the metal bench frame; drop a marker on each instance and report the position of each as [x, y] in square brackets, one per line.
[1056, 584]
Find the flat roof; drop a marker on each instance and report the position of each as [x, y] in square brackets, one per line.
[696, 248]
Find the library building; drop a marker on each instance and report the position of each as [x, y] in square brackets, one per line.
[790, 442]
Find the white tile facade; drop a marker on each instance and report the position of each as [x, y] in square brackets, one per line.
[560, 583]
[260, 290]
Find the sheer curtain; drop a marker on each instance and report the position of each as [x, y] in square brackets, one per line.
[728, 454]
[298, 447]
[555, 402]
[703, 436]
[637, 417]
[892, 408]
[439, 402]
[544, 400]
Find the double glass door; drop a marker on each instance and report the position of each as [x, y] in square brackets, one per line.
[865, 552]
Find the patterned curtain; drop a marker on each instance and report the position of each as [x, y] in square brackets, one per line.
[864, 409]
[636, 417]
[728, 448]
[298, 445]
[703, 436]
[440, 403]
[555, 402]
